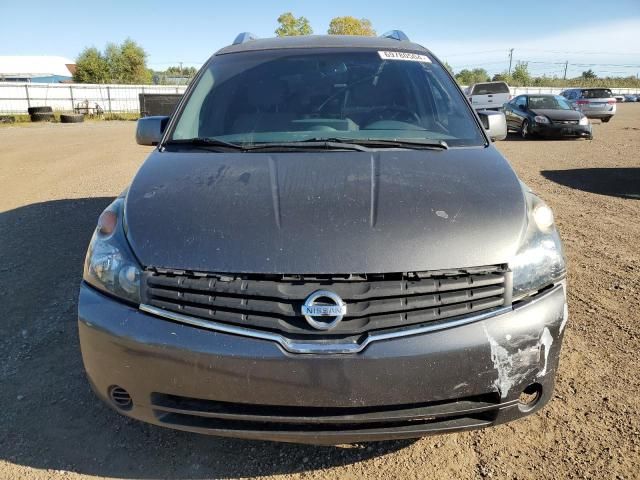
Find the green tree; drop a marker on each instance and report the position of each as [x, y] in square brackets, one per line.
[91, 67]
[469, 77]
[521, 75]
[127, 63]
[181, 71]
[448, 67]
[292, 26]
[351, 26]
[589, 75]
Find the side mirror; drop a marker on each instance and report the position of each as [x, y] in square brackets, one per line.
[522, 107]
[150, 129]
[494, 123]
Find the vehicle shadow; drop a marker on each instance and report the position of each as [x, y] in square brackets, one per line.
[51, 419]
[615, 182]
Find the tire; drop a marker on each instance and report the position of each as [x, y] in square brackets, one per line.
[606, 119]
[42, 117]
[524, 130]
[71, 118]
[33, 110]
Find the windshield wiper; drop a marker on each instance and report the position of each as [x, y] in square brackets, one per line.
[312, 143]
[315, 144]
[411, 143]
[206, 142]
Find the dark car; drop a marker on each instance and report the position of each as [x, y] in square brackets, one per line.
[547, 116]
[324, 247]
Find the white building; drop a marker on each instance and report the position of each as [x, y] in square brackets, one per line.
[36, 69]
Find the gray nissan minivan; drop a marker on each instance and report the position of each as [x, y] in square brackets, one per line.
[324, 247]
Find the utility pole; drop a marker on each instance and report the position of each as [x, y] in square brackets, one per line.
[180, 68]
[566, 64]
[510, 59]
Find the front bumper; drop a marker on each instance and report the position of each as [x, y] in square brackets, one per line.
[194, 379]
[561, 130]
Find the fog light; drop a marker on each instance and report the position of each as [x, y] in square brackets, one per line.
[120, 398]
[530, 397]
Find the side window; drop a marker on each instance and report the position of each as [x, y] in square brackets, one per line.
[573, 95]
[521, 101]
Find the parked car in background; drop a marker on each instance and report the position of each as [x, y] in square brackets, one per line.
[489, 95]
[630, 98]
[593, 102]
[545, 115]
[619, 98]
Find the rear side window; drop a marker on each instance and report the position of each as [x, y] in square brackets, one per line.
[490, 88]
[597, 93]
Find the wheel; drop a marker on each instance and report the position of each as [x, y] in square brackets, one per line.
[42, 117]
[606, 119]
[71, 118]
[524, 130]
[33, 110]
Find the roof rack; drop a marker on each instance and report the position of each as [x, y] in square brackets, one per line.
[396, 35]
[244, 37]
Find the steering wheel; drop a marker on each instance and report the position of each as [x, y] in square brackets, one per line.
[395, 111]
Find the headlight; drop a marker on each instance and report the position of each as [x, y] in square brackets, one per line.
[540, 119]
[584, 121]
[540, 260]
[110, 266]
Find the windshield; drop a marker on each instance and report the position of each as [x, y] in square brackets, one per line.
[289, 96]
[490, 88]
[597, 93]
[548, 102]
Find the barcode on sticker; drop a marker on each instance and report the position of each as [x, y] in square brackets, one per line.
[408, 56]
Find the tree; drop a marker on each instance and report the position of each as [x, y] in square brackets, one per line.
[181, 71]
[91, 67]
[127, 63]
[292, 26]
[589, 75]
[469, 77]
[351, 26]
[448, 67]
[521, 75]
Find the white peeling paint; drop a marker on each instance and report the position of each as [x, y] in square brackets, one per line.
[442, 214]
[547, 340]
[565, 318]
[503, 364]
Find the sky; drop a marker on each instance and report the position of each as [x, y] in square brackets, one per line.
[603, 36]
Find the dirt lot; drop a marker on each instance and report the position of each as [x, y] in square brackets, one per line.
[55, 180]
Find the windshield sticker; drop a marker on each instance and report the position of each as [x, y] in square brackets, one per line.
[407, 56]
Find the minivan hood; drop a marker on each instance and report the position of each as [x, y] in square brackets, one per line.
[329, 212]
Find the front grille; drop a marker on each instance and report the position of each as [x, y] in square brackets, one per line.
[566, 122]
[374, 302]
[203, 414]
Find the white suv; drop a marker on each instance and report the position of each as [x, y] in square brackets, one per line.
[488, 95]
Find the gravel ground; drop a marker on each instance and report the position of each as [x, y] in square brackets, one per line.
[55, 180]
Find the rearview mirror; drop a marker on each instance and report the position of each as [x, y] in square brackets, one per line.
[494, 123]
[150, 129]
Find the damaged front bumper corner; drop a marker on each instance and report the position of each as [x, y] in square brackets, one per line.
[456, 378]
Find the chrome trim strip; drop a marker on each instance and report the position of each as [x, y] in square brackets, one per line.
[293, 346]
